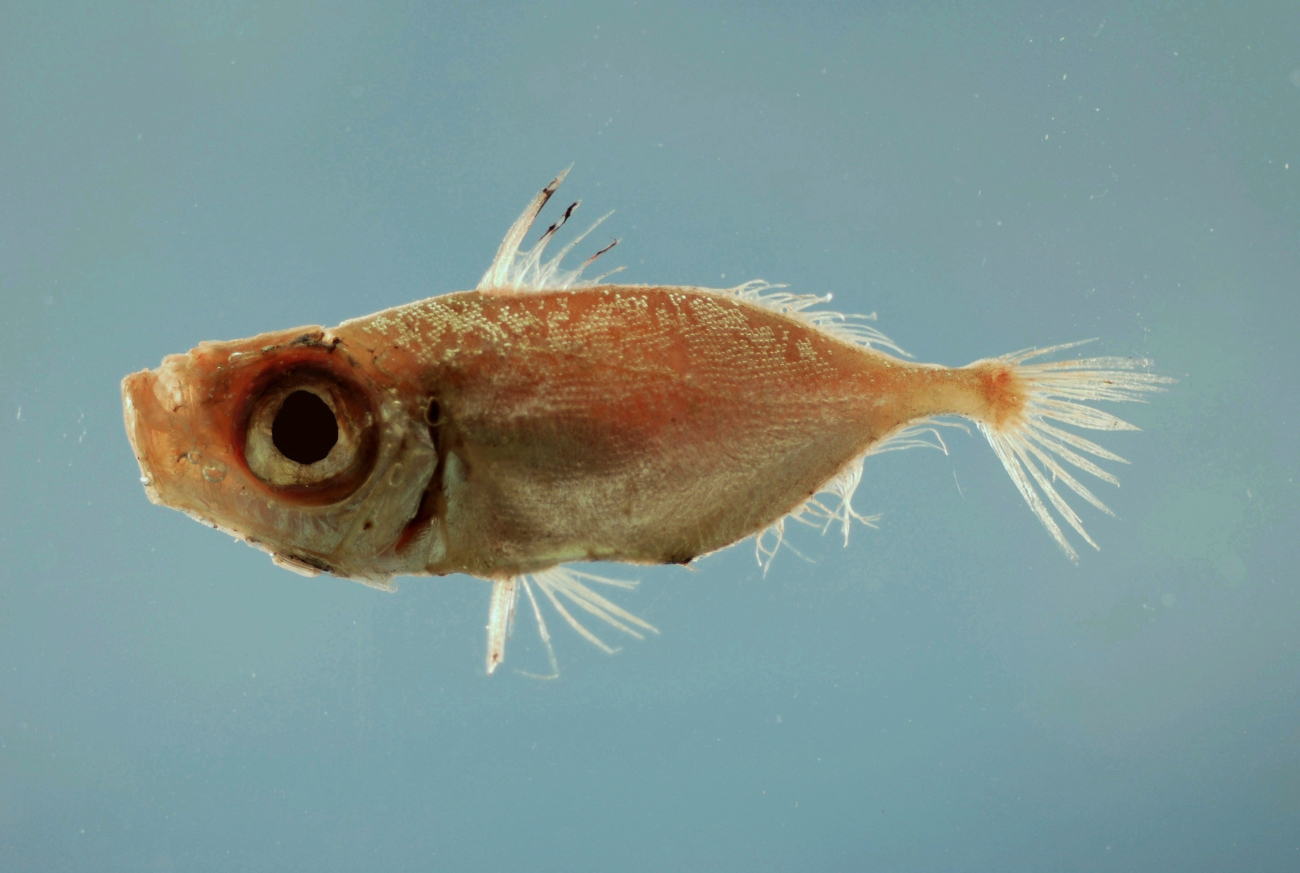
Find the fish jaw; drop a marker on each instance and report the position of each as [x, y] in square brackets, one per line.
[189, 422]
[153, 404]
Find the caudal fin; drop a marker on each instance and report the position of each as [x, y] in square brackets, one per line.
[1035, 451]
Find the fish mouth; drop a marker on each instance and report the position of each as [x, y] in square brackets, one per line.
[137, 408]
[152, 407]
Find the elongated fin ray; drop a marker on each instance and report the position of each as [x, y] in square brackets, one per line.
[850, 328]
[562, 587]
[497, 274]
[841, 487]
[501, 612]
[520, 271]
[543, 633]
[1035, 452]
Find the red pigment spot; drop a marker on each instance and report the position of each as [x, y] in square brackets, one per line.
[1004, 392]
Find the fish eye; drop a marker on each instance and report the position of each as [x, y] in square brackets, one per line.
[310, 435]
[305, 429]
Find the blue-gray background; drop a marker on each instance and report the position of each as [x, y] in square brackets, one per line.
[947, 693]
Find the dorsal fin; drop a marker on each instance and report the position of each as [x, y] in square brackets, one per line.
[850, 328]
[515, 270]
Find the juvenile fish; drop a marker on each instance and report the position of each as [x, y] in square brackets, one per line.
[544, 419]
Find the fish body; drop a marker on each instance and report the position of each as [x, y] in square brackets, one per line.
[540, 420]
[625, 423]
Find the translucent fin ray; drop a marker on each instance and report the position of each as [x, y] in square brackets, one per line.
[501, 612]
[516, 270]
[854, 329]
[559, 585]
[842, 486]
[1035, 452]
[520, 271]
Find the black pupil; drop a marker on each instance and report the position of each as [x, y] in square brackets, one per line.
[304, 429]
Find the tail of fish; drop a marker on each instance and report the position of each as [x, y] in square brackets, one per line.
[1026, 404]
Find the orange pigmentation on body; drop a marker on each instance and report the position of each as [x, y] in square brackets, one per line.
[542, 419]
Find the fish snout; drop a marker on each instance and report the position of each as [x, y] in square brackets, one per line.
[157, 418]
[146, 425]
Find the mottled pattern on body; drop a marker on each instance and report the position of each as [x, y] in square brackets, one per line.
[543, 419]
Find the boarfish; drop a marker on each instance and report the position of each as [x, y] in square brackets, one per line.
[544, 419]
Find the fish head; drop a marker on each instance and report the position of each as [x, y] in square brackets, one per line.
[292, 441]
